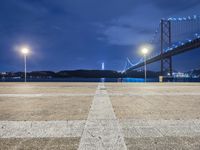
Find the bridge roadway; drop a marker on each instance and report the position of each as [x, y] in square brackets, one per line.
[175, 51]
[114, 116]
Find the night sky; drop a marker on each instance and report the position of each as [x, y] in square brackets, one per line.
[80, 34]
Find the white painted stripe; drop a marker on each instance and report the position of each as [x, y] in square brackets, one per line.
[45, 95]
[102, 95]
[160, 128]
[45, 87]
[156, 94]
[102, 130]
[147, 86]
[41, 129]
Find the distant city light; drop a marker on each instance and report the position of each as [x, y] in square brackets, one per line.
[103, 66]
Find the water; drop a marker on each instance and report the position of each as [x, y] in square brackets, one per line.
[63, 80]
[139, 80]
[101, 80]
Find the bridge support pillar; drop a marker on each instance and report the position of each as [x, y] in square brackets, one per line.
[166, 64]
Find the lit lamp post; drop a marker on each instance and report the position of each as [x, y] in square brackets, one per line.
[25, 52]
[145, 52]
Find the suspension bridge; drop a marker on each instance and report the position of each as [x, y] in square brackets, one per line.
[172, 37]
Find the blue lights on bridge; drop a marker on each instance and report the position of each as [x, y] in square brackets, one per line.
[183, 18]
[177, 32]
[181, 43]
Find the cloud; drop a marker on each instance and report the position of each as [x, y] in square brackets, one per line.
[139, 25]
[132, 29]
[175, 6]
[68, 29]
[119, 35]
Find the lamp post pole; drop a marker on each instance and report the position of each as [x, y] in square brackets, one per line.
[25, 51]
[145, 52]
[24, 67]
[145, 68]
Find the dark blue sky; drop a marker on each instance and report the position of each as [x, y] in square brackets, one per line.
[80, 34]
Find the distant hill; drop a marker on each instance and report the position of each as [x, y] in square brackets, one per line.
[89, 74]
[81, 74]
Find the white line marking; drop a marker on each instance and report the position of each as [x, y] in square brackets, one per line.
[160, 128]
[102, 94]
[45, 87]
[41, 129]
[139, 87]
[155, 94]
[102, 130]
[44, 95]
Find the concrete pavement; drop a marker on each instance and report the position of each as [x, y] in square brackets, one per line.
[99, 116]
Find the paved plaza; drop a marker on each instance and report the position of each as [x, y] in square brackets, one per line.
[104, 116]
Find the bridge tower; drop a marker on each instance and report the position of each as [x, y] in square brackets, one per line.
[166, 64]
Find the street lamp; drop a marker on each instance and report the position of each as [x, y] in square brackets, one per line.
[25, 51]
[145, 52]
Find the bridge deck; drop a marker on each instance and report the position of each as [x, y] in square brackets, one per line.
[174, 51]
[99, 116]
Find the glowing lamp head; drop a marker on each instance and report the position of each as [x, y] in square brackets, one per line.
[25, 51]
[145, 51]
